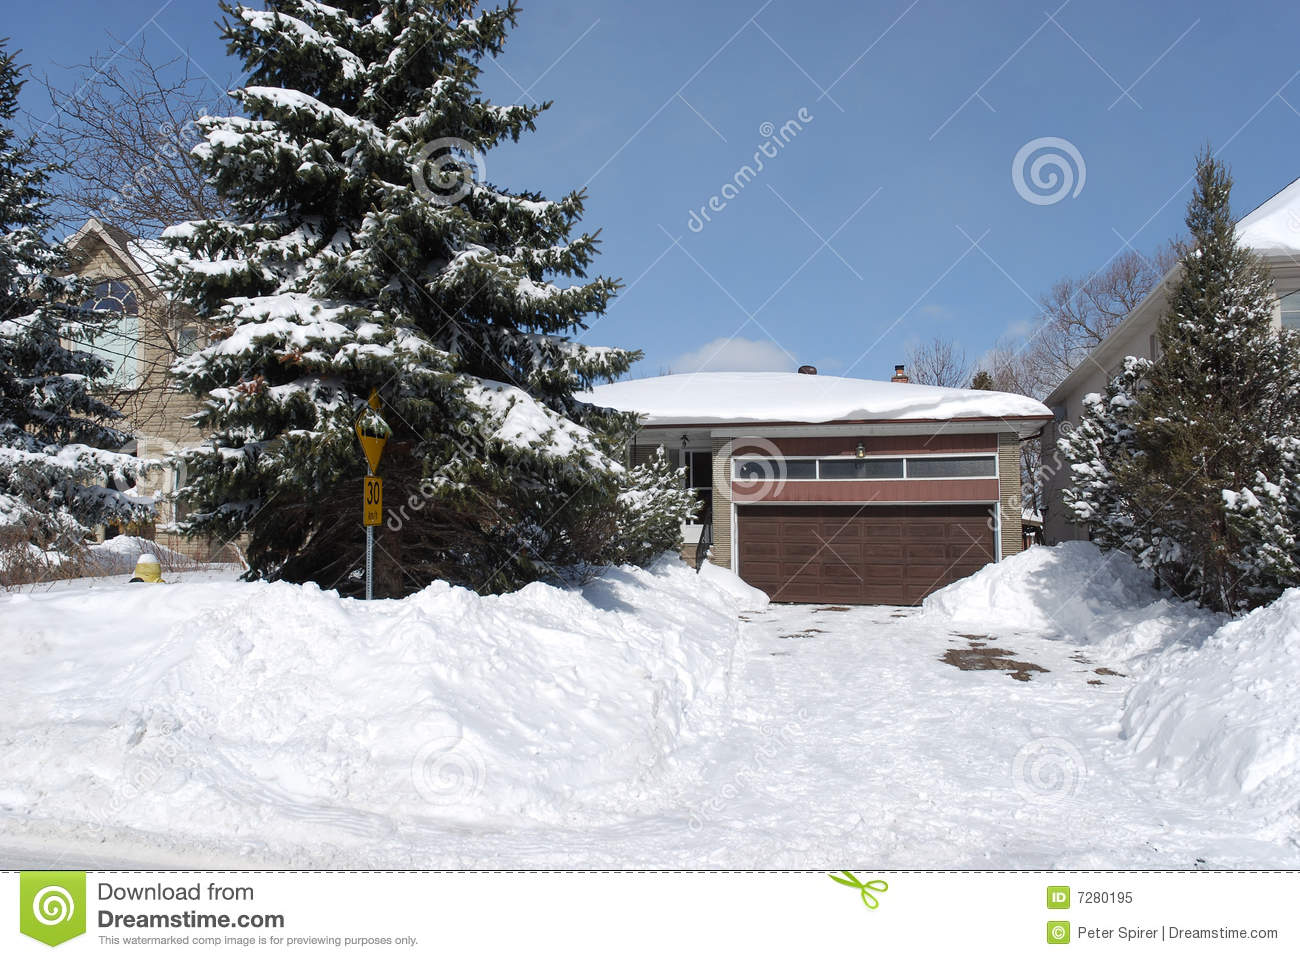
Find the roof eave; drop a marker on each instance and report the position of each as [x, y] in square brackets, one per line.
[677, 423]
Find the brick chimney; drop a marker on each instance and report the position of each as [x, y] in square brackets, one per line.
[899, 376]
[809, 369]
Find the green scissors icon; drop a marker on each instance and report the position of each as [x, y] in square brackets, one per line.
[868, 897]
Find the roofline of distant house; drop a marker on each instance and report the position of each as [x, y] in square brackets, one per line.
[101, 230]
[1067, 385]
[681, 425]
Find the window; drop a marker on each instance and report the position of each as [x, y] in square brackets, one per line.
[1154, 352]
[1290, 305]
[934, 467]
[117, 343]
[758, 468]
[187, 341]
[179, 477]
[113, 296]
[870, 469]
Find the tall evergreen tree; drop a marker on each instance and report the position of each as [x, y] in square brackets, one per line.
[370, 252]
[1206, 427]
[60, 472]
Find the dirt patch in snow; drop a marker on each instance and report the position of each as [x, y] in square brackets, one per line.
[980, 657]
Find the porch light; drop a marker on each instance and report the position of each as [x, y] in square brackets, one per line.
[861, 451]
[683, 441]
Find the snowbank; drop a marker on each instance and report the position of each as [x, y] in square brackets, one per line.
[1225, 719]
[308, 723]
[752, 397]
[1077, 592]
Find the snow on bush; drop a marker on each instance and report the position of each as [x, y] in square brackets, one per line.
[1224, 719]
[1077, 592]
[309, 722]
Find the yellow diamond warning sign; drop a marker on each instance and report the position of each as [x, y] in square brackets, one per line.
[373, 447]
[372, 501]
[373, 432]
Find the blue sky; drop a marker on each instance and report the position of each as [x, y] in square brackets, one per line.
[891, 215]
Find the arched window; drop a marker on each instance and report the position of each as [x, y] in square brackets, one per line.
[114, 296]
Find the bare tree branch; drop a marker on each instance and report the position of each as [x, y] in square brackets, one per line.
[1078, 314]
[123, 137]
[938, 363]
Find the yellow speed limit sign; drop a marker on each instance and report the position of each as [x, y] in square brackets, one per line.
[372, 501]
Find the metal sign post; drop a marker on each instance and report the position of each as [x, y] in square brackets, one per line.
[372, 512]
[370, 563]
[373, 434]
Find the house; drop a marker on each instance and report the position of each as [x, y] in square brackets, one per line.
[151, 333]
[823, 489]
[1273, 231]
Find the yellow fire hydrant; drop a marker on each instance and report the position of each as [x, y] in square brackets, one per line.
[147, 569]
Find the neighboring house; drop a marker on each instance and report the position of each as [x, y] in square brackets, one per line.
[836, 490]
[152, 332]
[1271, 229]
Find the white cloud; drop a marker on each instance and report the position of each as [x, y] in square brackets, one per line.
[735, 354]
[936, 311]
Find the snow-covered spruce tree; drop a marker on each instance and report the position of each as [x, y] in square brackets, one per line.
[1220, 401]
[60, 472]
[369, 251]
[1198, 485]
[1264, 517]
[1101, 453]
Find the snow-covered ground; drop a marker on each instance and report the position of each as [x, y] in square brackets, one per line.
[1052, 711]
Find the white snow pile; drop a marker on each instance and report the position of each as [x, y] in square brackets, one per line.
[1224, 719]
[320, 729]
[1077, 592]
[751, 397]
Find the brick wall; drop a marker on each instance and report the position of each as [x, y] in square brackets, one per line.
[722, 502]
[1009, 483]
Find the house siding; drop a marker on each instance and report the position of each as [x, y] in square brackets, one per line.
[846, 446]
[1010, 521]
[643, 453]
[155, 415]
[964, 490]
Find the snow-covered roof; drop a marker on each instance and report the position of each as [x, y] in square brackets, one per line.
[700, 398]
[1274, 226]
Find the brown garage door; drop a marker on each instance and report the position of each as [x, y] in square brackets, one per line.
[860, 554]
